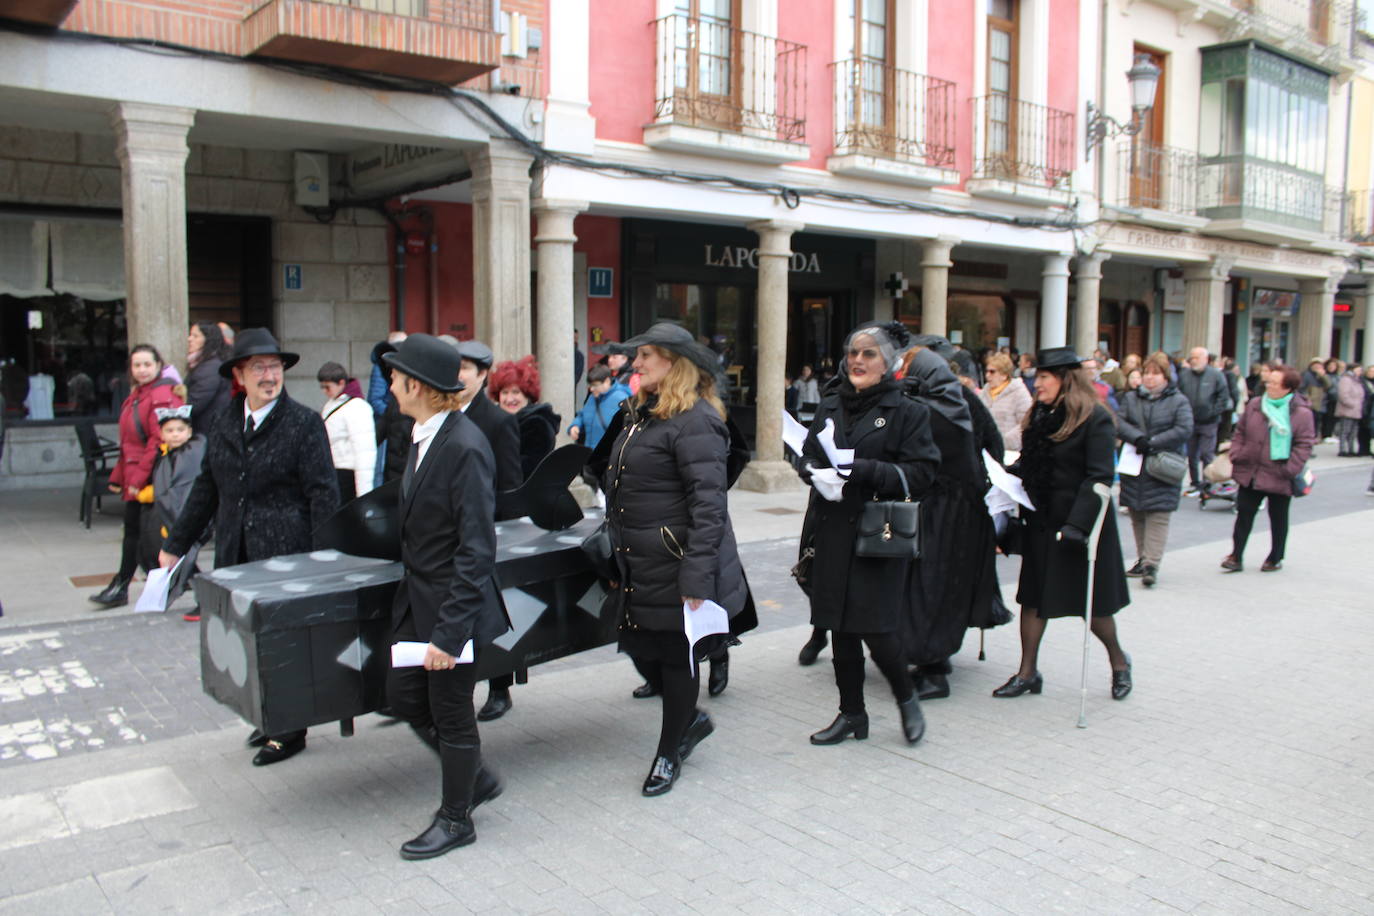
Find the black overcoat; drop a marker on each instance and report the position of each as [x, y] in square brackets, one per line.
[266, 495]
[207, 392]
[448, 542]
[1054, 574]
[503, 435]
[667, 516]
[849, 593]
[1165, 421]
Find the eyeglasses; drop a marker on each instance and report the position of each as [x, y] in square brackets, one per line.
[261, 369]
[866, 353]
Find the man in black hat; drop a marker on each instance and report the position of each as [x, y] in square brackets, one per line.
[448, 596]
[267, 481]
[503, 435]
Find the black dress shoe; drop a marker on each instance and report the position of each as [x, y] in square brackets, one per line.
[1018, 685]
[719, 677]
[275, 751]
[842, 728]
[662, 776]
[913, 721]
[116, 594]
[256, 738]
[701, 727]
[812, 650]
[644, 691]
[443, 834]
[1136, 571]
[497, 705]
[1121, 682]
[1150, 577]
[931, 686]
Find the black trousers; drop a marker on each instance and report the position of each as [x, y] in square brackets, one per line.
[886, 650]
[1248, 502]
[128, 551]
[438, 699]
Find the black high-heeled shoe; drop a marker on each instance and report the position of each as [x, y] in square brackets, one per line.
[1018, 685]
[842, 728]
[913, 721]
[1121, 682]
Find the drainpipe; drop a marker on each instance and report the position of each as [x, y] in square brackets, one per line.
[398, 320]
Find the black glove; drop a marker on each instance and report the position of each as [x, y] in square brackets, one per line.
[1072, 536]
[804, 471]
[1142, 444]
[862, 471]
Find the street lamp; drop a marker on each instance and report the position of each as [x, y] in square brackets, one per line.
[1144, 80]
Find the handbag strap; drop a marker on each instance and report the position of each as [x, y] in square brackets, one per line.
[906, 491]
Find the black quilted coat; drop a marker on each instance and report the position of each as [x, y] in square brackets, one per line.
[667, 516]
[266, 495]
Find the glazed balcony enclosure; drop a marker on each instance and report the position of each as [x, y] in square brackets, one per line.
[892, 123]
[446, 41]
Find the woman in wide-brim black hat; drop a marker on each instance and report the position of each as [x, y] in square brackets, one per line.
[670, 530]
[1068, 443]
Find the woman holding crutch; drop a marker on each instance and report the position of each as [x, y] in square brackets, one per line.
[1067, 445]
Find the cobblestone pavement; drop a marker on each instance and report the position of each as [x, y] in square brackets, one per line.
[1235, 779]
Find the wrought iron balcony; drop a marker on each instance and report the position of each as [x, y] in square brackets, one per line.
[1157, 178]
[713, 75]
[1273, 199]
[37, 12]
[1319, 30]
[447, 41]
[883, 111]
[1022, 142]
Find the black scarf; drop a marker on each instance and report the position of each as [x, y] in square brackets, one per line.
[1037, 451]
[854, 404]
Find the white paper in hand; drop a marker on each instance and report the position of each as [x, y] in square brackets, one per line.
[705, 620]
[838, 457]
[154, 597]
[793, 433]
[1009, 484]
[828, 483]
[1130, 462]
[412, 654]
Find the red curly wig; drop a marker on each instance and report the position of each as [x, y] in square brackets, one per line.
[511, 374]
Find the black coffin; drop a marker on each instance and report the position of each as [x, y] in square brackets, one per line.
[304, 639]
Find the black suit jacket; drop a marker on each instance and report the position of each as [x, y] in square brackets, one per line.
[448, 542]
[503, 435]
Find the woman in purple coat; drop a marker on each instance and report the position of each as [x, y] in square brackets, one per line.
[1269, 447]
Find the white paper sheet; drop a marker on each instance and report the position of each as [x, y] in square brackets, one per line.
[793, 433]
[1007, 483]
[154, 597]
[411, 654]
[838, 457]
[828, 483]
[1130, 462]
[998, 502]
[705, 620]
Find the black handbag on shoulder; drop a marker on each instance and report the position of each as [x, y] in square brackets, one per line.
[890, 528]
[600, 554]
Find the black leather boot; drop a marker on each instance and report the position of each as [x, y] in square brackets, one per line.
[913, 721]
[497, 705]
[452, 825]
[720, 674]
[841, 728]
[116, 594]
[852, 720]
[812, 650]
[931, 686]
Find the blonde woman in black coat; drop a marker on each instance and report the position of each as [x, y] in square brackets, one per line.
[863, 600]
[670, 530]
[1067, 445]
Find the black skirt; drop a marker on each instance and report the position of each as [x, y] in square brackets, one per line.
[1054, 574]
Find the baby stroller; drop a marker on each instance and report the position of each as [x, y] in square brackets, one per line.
[1217, 474]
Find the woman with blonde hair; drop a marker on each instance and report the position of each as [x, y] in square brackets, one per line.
[1006, 398]
[670, 530]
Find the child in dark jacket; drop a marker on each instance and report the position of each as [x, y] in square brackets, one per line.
[174, 473]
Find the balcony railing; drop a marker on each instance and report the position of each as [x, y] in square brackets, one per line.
[1157, 178]
[1320, 30]
[883, 111]
[1021, 141]
[1240, 188]
[714, 75]
[1359, 217]
[470, 14]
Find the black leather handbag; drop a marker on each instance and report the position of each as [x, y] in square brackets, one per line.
[890, 528]
[600, 553]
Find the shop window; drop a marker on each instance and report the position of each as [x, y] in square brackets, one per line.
[714, 314]
[976, 321]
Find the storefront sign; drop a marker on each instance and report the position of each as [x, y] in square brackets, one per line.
[380, 169]
[739, 257]
[600, 282]
[1183, 245]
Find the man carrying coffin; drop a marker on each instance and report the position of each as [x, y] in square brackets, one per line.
[448, 597]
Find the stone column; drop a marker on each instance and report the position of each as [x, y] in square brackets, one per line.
[1054, 302]
[1367, 310]
[935, 265]
[1088, 295]
[769, 472]
[501, 247]
[1315, 319]
[554, 279]
[1204, 303]
[150, 141]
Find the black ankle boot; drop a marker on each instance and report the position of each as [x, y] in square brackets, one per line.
[719, 676]
[116, 594]
[931, 686]
[843, 726]
[452, 824]
[444, 833]
[913, 722]
[812, 650]
[497, 705]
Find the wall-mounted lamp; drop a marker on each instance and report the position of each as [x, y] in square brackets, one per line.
[1144, 80]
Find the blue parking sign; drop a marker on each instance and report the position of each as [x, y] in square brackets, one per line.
[600, 281]
[291, 276]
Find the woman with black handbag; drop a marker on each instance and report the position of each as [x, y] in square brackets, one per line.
[861, 597]
[1156, 419]
[670, 531]
[1068, 444]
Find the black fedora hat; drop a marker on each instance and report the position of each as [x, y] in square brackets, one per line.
[255, 342]
[427, 359]
[1058, 358]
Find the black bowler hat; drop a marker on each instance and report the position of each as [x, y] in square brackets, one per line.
[474, 351]
[255, 342]
[427, 359]
[1058, 358]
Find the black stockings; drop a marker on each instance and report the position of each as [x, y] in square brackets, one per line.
[680, 690]
[1033, 629]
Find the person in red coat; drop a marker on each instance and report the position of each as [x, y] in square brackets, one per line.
[139, 440]
[1269, 447]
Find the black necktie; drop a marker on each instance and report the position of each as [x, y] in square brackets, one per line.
[412, 462]
[249, 426]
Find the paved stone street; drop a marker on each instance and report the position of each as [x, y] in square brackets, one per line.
[1237, 778]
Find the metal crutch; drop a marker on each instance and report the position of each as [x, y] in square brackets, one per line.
[1104, 493]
